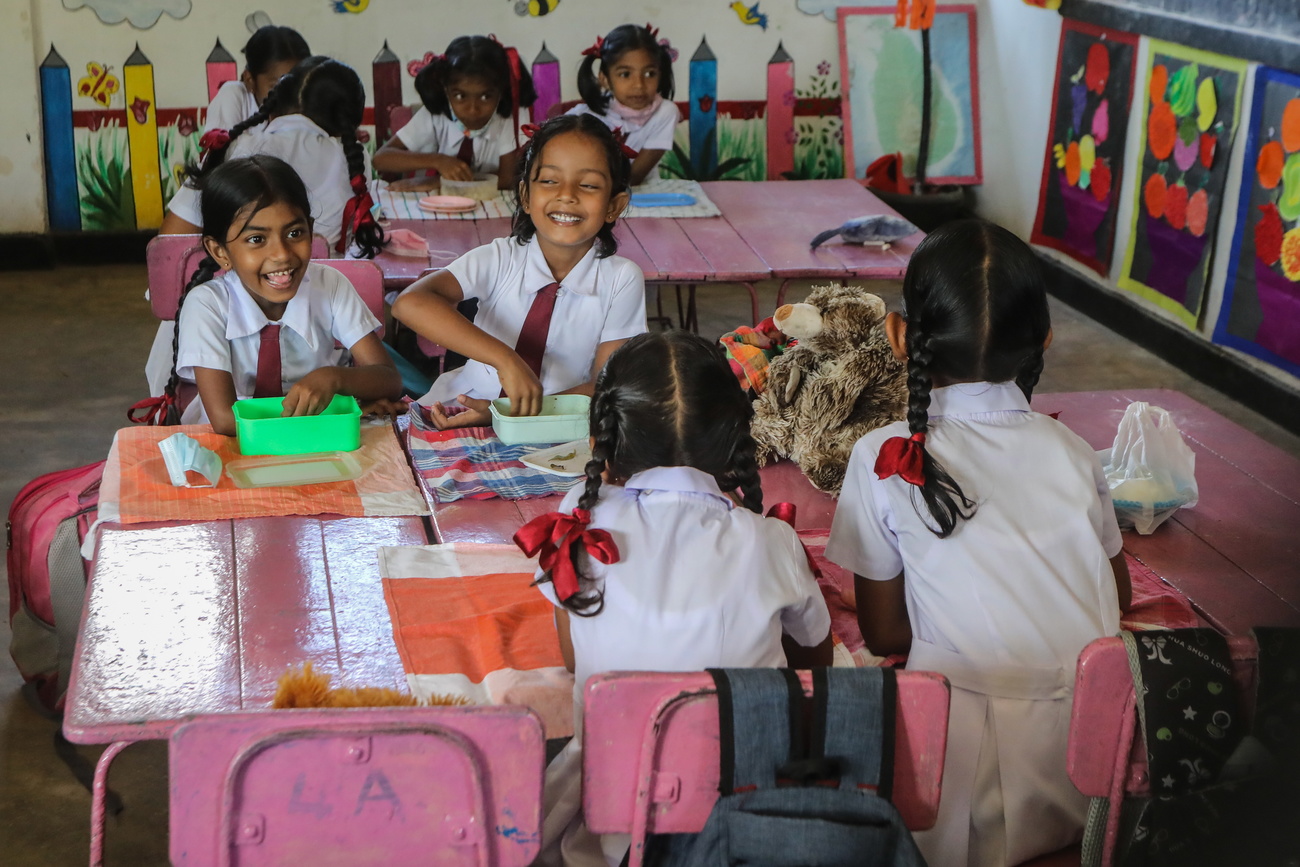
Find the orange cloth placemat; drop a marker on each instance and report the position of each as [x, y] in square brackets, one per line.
[137, 483]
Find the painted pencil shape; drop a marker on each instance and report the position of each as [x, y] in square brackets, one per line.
[704, 109]
[142, 140]
[780, 114]
[386, 73]
[62, 200]
[546, 81]
[221, 67]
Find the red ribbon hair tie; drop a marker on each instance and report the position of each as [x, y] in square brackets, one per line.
[595, 48]
[904, 457]
[652, 30]
[621, 138]
[787, 512]
[356, 213]
[413, 68]
[529, 129]
[554, 536]
[213, 139]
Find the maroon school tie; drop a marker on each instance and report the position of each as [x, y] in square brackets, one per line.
[466, 152]
[268, 383]
[537, 325]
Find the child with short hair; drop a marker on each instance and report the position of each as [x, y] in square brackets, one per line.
[633, 91]
[269, 55]
[662, 560]
[469, 123]
[984, 544]
[554, 300]
[267, 327]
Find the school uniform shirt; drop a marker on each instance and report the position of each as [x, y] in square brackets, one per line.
[431, 133]
[221, 329]
[314, 154]
[600, 300]
[233, 104]
[655, 133]
[1002, 607]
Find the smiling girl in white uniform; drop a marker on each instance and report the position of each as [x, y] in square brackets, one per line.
[984, 542]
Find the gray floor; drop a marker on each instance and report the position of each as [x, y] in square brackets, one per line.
[74, 342]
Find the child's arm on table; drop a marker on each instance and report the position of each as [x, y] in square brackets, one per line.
[644, 162]
[428, 307]
[395, 157]
[374, 377]
[1123, 586]
[217, 391]
[566, 642]
[882, 615]
[820, 655]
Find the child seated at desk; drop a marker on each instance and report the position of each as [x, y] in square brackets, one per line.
[269, 55]
[469, 122]
[984, 544]
[267, 327]
[663, 560]
[554, 300]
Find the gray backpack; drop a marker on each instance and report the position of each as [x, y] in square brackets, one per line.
[805, 781]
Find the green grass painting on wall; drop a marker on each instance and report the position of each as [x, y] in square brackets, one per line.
[742, 152]
[104, 179]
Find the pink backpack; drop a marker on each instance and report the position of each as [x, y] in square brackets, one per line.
[47, 576]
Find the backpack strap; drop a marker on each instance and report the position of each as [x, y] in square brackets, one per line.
[760, 723]
[853, 723]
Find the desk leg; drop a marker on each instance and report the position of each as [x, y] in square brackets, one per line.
[780, 296]
[753, 302]
[692, 323]
[97, 801]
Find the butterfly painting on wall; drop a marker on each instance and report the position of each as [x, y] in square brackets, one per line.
[99, 83]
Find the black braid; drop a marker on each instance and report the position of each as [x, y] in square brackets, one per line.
[943, 497]
[369, 236]
[742, 473]
[1030, 369]
[206, 270]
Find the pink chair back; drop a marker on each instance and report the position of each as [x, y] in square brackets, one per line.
[399, 116]
[1107, 757]
[447, 786]
[650, 751]
[171, 261]
[367, 278]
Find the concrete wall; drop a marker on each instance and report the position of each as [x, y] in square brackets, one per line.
[22, 173]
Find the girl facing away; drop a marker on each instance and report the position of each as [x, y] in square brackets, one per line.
[984, 544]
[662, 560]
[554, 299]
[269, 54]
[267, 326]
[469, 122]
[633, 91]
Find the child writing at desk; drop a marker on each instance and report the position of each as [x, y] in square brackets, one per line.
[662, 560]
[267, 326]
[984, 544]
[269, 55]
[554, 300]
[633, 91]
[469, 121]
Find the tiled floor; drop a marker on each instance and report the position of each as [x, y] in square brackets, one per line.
[74, 342]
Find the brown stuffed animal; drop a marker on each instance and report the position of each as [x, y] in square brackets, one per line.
[306, 687]
[838, 382]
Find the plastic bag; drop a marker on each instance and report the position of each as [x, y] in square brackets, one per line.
[1151, 471]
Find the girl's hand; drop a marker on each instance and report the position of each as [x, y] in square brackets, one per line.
[384, 408]
[522, 386]
[413, 185]
[450, 167]
[473, 413]
[311, 394]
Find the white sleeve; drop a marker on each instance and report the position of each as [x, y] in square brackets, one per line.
[805, 619]
[418, 134]
[657, 134]
[863, 537]
[202, 341]
[1108, 532]
[625, 313]
[228, 107]
[187, 205]
[352, 319]
[477, 270]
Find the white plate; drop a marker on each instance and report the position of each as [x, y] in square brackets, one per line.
[566, 459]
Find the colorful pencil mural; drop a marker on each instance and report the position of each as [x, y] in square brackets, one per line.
[546, 81]
[220, 67]
[142, 137]
[780, 114]
[60, 149]
[386, 74]
[704, 109]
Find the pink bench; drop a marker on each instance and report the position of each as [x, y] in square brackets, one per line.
[650, 752]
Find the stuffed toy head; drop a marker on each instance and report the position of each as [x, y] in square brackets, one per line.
[837, 382]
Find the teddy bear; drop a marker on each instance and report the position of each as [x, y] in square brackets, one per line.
[839, 380]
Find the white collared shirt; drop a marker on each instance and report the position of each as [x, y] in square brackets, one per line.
[221, 329]
[655, 134]
[234, 103]
[1026, 581]
[600, 300]
[316, 156]
[432, 133]
[700, 581]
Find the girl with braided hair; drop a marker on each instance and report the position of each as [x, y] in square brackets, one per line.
[664, 561]
[984, 542]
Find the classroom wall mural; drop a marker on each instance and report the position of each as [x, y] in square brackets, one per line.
[1082, 172]
[1261, 305]
[1192, 105]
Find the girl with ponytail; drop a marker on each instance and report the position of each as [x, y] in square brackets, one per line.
[632, 90]
[662, 560]
[470, 121]
[984, 543]
[269, 55]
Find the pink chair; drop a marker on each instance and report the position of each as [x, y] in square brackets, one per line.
[399, 116]
[1107, 757]
[171, 261]
[446, 786]
[367, 278]
[650, 752]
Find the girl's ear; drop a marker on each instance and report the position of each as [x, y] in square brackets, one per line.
[217, 251]
[896, 333]
[604, 80]
[246, 78]
[523, 196]
[1048, 341]
[617, 205]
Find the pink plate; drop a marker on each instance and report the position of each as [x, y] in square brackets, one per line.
[447, 203]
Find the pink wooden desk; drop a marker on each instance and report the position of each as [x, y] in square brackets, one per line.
[763, 233]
